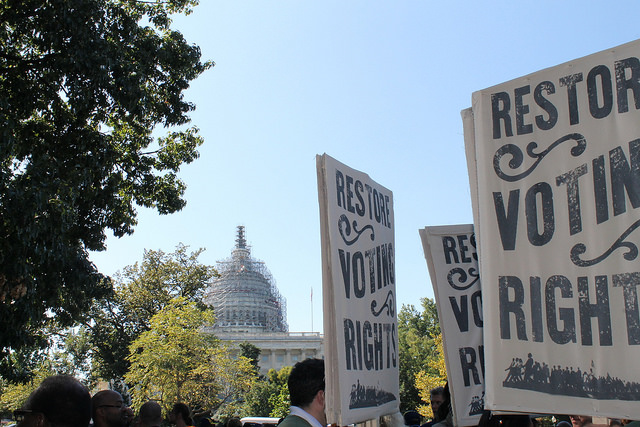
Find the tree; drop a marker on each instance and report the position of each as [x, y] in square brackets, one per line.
[175, 361]
[257, 400]
[269, 396]
[252, 353]
[67, 354]
[14, 394]
[435, 375]
[417, 332]
[141, 291]
[83, 86]
[61, 359]
[234, 377]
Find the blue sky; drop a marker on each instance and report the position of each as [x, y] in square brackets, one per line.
[378, 85]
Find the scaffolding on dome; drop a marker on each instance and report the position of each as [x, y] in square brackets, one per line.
[245, 297]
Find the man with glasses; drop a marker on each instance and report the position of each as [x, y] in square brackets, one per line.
[108, 409]
[59, 401]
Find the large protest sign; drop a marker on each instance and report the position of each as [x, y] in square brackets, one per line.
[359, 303]
[453, 266]
[556, 165]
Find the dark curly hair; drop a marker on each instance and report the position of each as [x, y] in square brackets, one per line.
[63, 400]
[305, 381]
[184, 411]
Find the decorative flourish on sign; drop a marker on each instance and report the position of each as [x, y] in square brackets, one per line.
[517, 157]
[388, 304]
[345, 230]
[630, 255]
[462, 278]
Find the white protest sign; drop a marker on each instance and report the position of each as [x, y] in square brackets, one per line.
[453, 266]
[359, 294]
[556, 161]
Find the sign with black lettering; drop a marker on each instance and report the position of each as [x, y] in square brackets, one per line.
[453, 266]
[554, 165]
[359, 294]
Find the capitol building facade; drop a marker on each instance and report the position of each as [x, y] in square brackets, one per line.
[249, 308]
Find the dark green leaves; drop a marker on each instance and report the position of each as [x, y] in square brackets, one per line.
[83, 86]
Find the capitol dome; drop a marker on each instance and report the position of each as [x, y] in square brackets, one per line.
[244, 297]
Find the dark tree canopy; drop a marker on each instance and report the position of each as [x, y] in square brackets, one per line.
[252, 353]
[83, 86]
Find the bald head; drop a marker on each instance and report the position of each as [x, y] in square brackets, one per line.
[150, 414]
[108, 409]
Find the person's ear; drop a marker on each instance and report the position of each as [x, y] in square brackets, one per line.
[320, 396]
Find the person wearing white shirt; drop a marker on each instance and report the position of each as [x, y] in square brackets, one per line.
[306, 392]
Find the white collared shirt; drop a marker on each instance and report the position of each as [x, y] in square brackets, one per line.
[298, 411]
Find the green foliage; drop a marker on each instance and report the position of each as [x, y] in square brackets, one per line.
[234, 377]
[269, 396]
[257, 402]
[418, 349]
[280, 403]
[68, 352]
[83, 86]
[142, 291]
[252, 353]
[434, 375]
[15, 394]
[175, 361]
[20, 365]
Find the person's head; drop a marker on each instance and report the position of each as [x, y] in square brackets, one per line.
[436, 397]
[180, 411]
[445, 406]
[488, 419]
[109, 410]
[234, 422]
[131, 416]
[59, 401]
[580, 420]
[150, 414]
[306, 387]
[411, 418]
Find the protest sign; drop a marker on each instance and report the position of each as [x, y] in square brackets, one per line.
[359, 294]
[453, 266]
[555, 176]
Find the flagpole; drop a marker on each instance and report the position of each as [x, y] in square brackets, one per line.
[312, 309]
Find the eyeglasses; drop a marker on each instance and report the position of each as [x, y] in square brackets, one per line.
[20, 414]
[112, 406]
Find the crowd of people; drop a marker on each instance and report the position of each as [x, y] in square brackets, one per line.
[442, 416]
[62, 401]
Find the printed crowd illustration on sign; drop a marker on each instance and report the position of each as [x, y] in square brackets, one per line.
[554, 166]
[360, 323]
